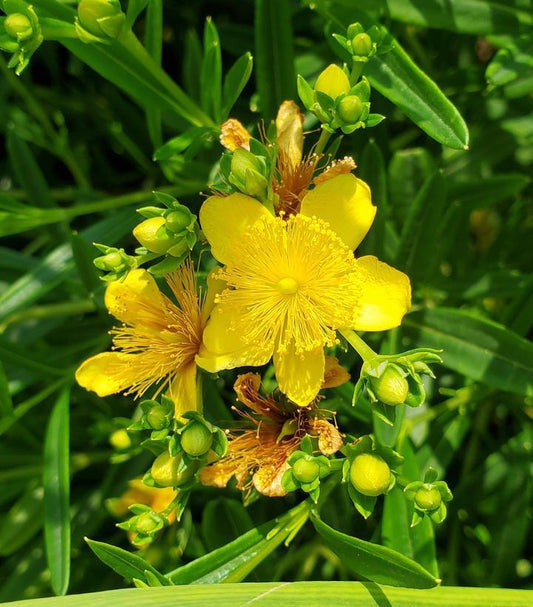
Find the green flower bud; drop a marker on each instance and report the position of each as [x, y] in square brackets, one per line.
[120, 440]
[157, 417]
[428, 499]
[164, 470]
[148, 234]
[101, 18]
[147, 523]
[362, 44]
[18, 26]
[247, 173]
[370, 474]
[350, 108]
[305, 471]
[391, 388]
[111, 261]
[178, 220]
[333, 82]
[196, 440]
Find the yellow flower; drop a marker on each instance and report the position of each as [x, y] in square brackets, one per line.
[291, 284]
[157, 342]
[257, 456]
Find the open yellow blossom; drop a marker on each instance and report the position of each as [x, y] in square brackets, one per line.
[292, 283]
[157, 341]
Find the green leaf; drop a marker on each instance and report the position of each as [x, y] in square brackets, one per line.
[476, 347]
[56, 482]
[481, 193]
[6, 403]
[223, 520]
[211, 73]
[310, 594]
[235, 81]
[374, 562]
[22, 521]
[395, 532]
[128, 565]
[275, 75]
[153, 41]
[397, 77]
[135, 8]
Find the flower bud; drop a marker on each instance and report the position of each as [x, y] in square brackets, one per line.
[164, 470]
[196, 440]
[247, 173]
[391, 388]
[101, 18]
[120, 440]
[18, 26]
[362, 44]
[147, 234]
[157, 417]
[350, 108]
[333, 82]
[111, 261]
[370, 474]
[428, 499]
[178, 220]
[147, 523]
[305, 471]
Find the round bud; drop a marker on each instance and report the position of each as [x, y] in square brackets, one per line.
[120, 440]
[391, 388]
[305, 471]
[428, 499]
[18, 26]
[350, 108]
[146, 523]
[157, 417]
[196, 440]
[146, 234]
[90, 11]
[370, 474]
[362, 44]
[178, 220]
[111, 261]
[164, 470]
[332, 81]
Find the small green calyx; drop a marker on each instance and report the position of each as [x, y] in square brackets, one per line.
[247, 173]
[18, 26]
[157, 417]
[350, 109]
[99, 19]
[147, 523]
[114, 261]
[362, 44]
[178, 220]
[428, 499]
[111, 261]
[196, 440]
[391, 388]
[305, 471]
[370, 474]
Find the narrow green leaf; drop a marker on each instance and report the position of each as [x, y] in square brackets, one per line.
[211, 74]
[476, 347]
[22, 521]
[128, 565]
[235, 81]
[395, 532]
[374, 562]
[135, 8]
[223, 520]
[56, 482]
[310, 594]
[397, 77]
[153, 41]
[6, 404]
[488, 191]
[275, 75]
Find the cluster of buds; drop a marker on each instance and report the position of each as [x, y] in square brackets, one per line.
[195, 439]
[170, 231]
[99, 20]
[158, 417]
[306, 470]
[391, 380]
[145, 525]
[20, 33]
[113, 261]
[369, 471]
[428, 497]
[337, 103]
[360, 45]
[249, 171]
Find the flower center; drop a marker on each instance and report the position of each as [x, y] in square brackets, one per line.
[288, 286]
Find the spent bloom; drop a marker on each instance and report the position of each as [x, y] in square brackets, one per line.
[157, 342]
[292, 282]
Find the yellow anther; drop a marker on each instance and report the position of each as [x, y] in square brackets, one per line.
[288, 286]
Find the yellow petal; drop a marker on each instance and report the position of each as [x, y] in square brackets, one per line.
[385, 298]
[345, 203]
[223, 348]
[182, 390]
[300, 376]
[334, 373]
[215, 286]
[290, 135]
[225, 219]
[129, 299]
[107, 373]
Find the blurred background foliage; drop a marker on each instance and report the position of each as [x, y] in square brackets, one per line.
[81, 155]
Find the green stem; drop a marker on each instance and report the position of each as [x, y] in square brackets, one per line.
[322, 142]
[364, 350]
[69, 308]
[199, 392]
[357, 70]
